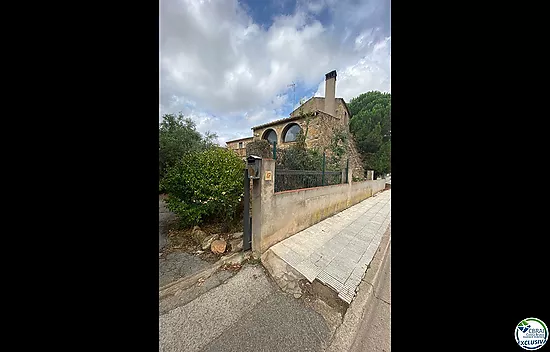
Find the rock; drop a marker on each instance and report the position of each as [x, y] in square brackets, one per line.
[208, 241]
[198, 235]
[236, 245]
[233, 258]
[236, 235]
[297, 295]
[218, 246]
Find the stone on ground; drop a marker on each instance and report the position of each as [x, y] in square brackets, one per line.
[198, 235]
[208, 241]
[236, 244]
[218, 246]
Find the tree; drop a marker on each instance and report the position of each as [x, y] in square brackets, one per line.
[371, 126]
[177, 137]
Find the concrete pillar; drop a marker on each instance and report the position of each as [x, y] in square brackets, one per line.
[370, 174]
[262, 193]
[350, 175]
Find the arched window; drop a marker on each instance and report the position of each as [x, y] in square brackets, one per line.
[291, 132]
[270, 135]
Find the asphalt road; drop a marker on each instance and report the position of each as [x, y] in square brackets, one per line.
[246, 313]
[374, 333]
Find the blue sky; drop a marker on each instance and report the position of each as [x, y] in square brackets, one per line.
[228, 64]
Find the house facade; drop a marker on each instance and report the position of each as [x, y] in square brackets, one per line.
[321, 117]
[239, 145]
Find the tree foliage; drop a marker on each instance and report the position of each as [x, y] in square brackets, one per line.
[297, 157]
[205, 185]
[371, 126]
[260, 148]
[177, 137]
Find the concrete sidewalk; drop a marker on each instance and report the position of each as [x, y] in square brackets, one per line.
[338, 250]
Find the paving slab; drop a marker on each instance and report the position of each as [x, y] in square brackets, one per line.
[338, 250]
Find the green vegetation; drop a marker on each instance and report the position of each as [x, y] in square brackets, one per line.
[371, 126]
[205, 185]
[260, 148]
[177, 137]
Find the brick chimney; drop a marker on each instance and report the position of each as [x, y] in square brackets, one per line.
[330, 91]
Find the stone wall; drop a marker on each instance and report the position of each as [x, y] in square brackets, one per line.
[279, 129]
[234, 145]
[321, 130]
[313, 104]
[318, 103]
[355, 160]
[342, 113]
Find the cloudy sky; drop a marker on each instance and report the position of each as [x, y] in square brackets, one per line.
[228, 64]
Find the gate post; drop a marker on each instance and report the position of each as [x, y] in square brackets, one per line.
[370, 174]
[262, 198]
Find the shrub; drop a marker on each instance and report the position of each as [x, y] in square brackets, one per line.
[205, 185]
[296, 158]
[260, 148]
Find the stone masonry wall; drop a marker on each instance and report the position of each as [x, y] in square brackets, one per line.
[234, 145]
[279, 128]
[321, 131]
[315, 103]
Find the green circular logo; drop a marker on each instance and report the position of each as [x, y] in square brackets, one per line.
[531, 334]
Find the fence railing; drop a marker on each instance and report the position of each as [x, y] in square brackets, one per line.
[286, 180]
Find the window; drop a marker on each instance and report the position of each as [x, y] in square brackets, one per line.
[240, 145]
[291, 133]
[270, 135]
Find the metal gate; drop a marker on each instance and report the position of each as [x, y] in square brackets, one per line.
[247, 218]
[286, 179]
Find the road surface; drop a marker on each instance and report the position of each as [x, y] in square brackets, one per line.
[374, 334]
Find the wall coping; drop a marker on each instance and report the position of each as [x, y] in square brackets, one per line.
[309, 188]
[319, 187]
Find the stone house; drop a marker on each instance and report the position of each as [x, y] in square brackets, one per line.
[322, 117]
[239, 145]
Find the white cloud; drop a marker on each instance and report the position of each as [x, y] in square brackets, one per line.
[371, 72]
[230, 73]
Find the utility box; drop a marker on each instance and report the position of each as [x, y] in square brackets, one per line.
[253, 166]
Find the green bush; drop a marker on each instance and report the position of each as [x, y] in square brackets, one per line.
[296, 158]
[205, 185]
[260, 148]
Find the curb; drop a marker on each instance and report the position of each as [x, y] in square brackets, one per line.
[345, 334]
[186, 282]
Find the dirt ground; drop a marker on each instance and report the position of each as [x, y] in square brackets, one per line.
[179, 255]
